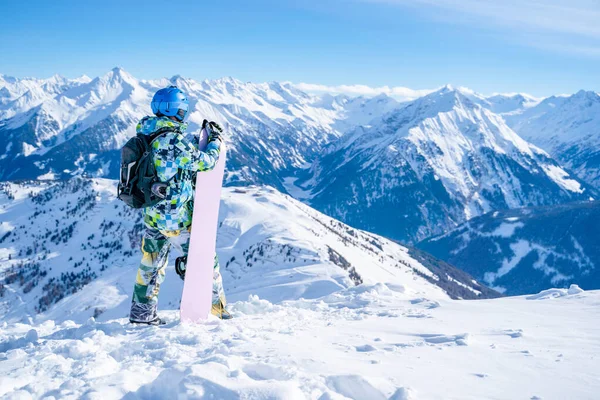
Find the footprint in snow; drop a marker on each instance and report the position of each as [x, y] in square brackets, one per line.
[412, 314]
[460, 340]
[263, 372]
[403, 394]
[430, 304]
[389, 314]
[400, 345]
[354, 387]
[514, 333]
[365, 348]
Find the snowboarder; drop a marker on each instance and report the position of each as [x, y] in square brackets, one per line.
[168, 223]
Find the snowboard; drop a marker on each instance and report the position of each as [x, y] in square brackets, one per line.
[196, 301]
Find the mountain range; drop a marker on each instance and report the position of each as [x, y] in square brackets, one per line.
[523, 250]
[409, 171]
[59, 127]
[432, 164]
[568, 128]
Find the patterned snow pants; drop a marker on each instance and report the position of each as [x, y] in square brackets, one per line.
[156, 246]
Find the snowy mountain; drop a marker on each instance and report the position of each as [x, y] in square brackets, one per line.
[20, 95]
[527, 250]
[500, 103]
[73, 127]
[450, 157]
[423, 169]
[568, 128]
[60, 238]
[406, 171]
[321, 310]
[509, 104]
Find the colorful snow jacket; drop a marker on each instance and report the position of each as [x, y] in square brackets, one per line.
[176, 159]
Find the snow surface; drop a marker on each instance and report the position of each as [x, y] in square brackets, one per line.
[302, 327]
[368, 342]
[562, 178]
[568, 128]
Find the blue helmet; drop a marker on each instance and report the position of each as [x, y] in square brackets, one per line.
[172, 102]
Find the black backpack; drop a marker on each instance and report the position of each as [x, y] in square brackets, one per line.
[139, 186]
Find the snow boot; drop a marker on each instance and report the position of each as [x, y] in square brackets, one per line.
[155, 321]
[218, 310]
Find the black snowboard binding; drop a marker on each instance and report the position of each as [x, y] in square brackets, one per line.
[155, 321]
[180, 263]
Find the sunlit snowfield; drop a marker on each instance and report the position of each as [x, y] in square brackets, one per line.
[381, 341]
[302, 329]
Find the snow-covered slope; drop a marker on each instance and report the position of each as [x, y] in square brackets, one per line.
[527, 250]
[75, 237]
[505, 104]
[438, 161]
[568, 127]
[509, 104]
[20, 95]
[79, 126]
[321, 311]
[371, 342]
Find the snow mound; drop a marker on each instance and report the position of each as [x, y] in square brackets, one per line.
[554, 293]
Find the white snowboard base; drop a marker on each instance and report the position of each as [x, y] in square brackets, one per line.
[196, 301]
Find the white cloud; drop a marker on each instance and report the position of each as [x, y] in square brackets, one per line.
[576, 22]
[573, 16]
[566, 47]
[397, 92]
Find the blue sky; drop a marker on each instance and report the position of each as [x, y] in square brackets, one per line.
[541, 47]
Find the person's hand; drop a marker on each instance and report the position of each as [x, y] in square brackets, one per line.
[213, 129]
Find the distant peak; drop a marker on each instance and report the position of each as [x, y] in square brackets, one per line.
[449, 97]
[83, 78]
[448, 88]
[8, 78]
[118, 73]
[229, 79]
[445, 90]
[381, 96]
[586, 94]
[178, 80]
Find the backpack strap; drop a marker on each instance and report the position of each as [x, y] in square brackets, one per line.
[159, 133]
[147, 141]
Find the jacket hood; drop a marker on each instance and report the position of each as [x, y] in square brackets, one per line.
[149, 125]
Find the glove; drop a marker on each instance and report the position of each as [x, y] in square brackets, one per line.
[213, 129]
